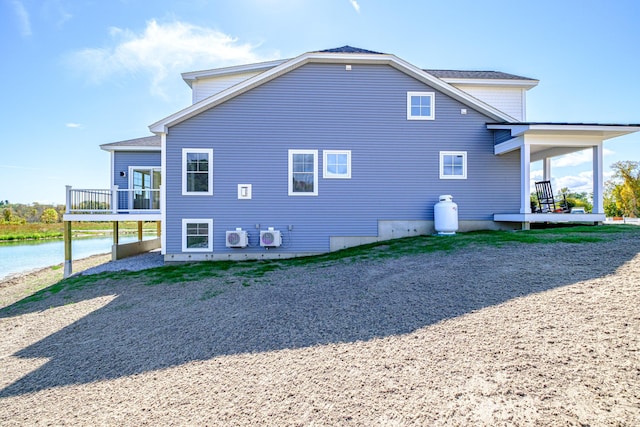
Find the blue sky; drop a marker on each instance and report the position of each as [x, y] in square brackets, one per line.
[77, 74]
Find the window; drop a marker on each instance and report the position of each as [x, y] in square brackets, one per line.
[421, 106]
[197, 235]
[337, 164]
[303, 172]
[197, 171]
[453, 165]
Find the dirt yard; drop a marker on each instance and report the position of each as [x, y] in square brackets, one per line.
[516, 335]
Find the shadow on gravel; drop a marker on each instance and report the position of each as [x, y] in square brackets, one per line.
[153, 327]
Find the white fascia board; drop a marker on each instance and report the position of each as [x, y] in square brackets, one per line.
[567, 129]
[508, 146]
[526, 84]
[130, 148]
[603, 131]
[191, 76]
[163, 125]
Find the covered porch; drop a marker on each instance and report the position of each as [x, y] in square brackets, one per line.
[544, 141]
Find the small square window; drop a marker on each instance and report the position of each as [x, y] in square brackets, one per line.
[337, 164]
[453, 165]
[197, 235]
[420, 105]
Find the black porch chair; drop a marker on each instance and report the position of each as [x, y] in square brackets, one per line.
[547, 203]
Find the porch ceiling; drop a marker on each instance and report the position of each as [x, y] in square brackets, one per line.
[555, 139]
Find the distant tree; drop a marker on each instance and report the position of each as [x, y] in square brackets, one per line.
[7, 214]
[622, 195]
[49, 216]
[574, 199]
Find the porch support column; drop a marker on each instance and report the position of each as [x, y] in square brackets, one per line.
[598, 180]
[139, 231]
[158, 229]
[116, 229]
[525, 177]
[546, 169]
[68, 258]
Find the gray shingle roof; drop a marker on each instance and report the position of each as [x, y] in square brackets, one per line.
[349, 49]
[460, 74]
[147, 141]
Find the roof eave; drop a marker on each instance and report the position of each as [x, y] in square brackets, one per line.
[105, 147]
[605, 131]
[526, 84]
[191, 76]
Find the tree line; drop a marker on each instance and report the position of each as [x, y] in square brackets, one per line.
[18, 213]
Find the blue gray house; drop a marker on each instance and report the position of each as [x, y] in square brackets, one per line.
[333, 149]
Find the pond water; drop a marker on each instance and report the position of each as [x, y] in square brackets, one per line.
[17, 257]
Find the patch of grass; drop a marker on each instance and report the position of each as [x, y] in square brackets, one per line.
[248, 271]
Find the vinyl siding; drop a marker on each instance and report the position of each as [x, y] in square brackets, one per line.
[395, 162]
[502, 135]
[511, 100]
[124, 159]
[204, 88]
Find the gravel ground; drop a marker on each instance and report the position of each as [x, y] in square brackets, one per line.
[517, 335]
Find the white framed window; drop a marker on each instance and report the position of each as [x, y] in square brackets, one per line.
[197, 171]
[197, 235]
[303, 172]
[453, 165]
[337, 164]
[421, 106]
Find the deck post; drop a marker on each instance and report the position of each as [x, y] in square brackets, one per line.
[68, 198]
[158, 229]
[68, 259]
[114, 199]
[139, 231]
[115, 232]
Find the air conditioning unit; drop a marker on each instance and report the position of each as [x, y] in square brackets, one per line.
[237, 238]
[270, 238]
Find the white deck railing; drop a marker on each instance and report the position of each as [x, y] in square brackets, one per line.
[112, 201]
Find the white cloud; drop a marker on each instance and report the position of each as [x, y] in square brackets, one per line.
[355, 5]
[577, 158]
[55, 11]
[73, 125]
[23, 18]
[162, 51]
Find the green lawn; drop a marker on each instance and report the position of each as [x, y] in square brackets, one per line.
[251, 271]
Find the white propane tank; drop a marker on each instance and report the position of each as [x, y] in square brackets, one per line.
[445, 214]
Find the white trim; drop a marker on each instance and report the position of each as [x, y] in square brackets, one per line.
[315, 173]
[112, 156]
[328, 175]
[130, 148]
[335, 58]
[209, 152]
[432, 106]
[549, 217]
[191, 76]
[560, 129]
[464, 164]
[207, 221]
[163, 194]
[461, 81]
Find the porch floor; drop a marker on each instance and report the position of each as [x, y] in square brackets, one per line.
[549, 217]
